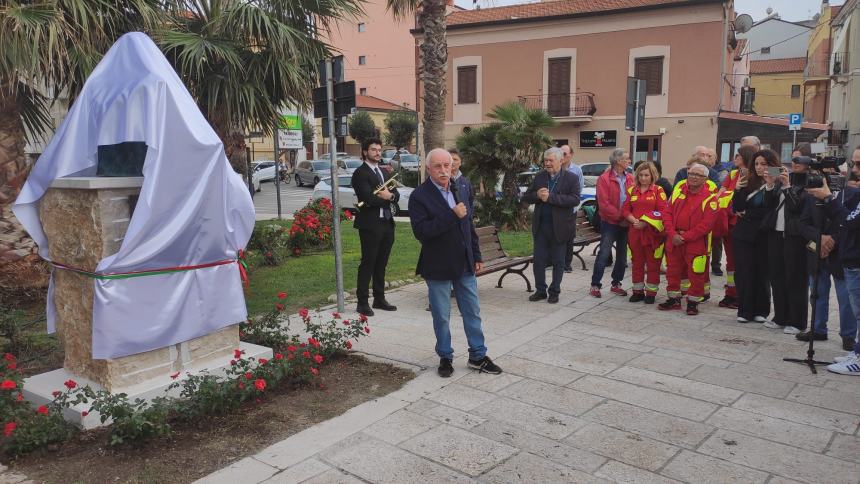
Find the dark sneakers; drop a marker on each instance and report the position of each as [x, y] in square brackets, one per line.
[383, 305]
[649, 299]
[692, 308]
[638, 296]
[671, 304]
[848, 343]
[537, 296]
[446, 369]
[485, 365]
[553, 298]
[364, 309]
[729, 302]
[804, 336]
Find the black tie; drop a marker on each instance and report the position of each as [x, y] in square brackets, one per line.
[386, 210]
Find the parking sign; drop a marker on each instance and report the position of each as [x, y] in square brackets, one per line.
[794, 121]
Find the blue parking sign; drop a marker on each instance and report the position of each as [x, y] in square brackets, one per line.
[794, 121]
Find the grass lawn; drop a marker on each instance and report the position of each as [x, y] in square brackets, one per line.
[309, 280]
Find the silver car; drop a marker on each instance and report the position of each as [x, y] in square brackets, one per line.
[310, 172]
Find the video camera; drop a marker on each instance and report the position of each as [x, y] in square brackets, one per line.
[816, 176]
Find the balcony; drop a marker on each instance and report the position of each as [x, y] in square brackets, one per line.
[819, 68]
[576, 107]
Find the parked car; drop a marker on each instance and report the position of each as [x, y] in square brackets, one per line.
[409, 162]
[396, 159]
[348, 199]
[591, 171]
[340, 154]
[264, 170]
[348, 165]
[310, 172]
[388, 154]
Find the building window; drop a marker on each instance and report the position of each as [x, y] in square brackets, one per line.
[795, 91]
[363, 91]
[765, 50]
[651, 70]
[467, 85]
[558, 85]
[647, 148]
[361, 27]
[362, 60]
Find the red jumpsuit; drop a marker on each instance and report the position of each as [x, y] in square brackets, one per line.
[726, 220]
[646, 245]
[691, 215]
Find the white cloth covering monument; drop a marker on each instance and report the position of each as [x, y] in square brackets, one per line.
[145, 280]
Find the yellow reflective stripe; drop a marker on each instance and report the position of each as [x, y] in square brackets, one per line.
[674, 294]
[730, 278]
[711, 184]
[630, 190]
[658, 253]
[700, 263]
[685, 284]
[651, 287]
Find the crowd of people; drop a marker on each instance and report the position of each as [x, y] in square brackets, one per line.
[786, 241]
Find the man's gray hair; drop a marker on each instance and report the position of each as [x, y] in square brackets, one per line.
[616, 155]
[437, 151]
[751, 140]
[702, 169]
[556, 152]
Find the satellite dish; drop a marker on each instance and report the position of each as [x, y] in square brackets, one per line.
[743, 23]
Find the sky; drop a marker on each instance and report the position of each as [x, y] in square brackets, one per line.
[791, 10]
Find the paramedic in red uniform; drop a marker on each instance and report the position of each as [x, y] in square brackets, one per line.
[689, 221]
[646, 202]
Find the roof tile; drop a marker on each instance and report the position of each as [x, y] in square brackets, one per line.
[778, 66]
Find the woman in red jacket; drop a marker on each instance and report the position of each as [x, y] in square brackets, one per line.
[643, 209]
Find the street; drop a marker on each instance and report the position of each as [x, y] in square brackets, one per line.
[292, 199]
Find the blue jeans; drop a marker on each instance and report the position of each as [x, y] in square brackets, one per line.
[852, 283]
[847, 321]
[466, 292]
[611, 234]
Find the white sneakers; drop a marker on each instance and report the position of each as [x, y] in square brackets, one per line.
[771, 325]
[790, 330]
[846, 365]
[743, 320]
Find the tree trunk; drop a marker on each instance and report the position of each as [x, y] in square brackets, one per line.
[434, 67]
[20, 265]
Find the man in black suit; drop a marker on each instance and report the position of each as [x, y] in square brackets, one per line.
[450, 256]
[554, 192]
[375, 226]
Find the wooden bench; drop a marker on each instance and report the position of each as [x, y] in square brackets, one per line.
[585, 234]
[496, 259]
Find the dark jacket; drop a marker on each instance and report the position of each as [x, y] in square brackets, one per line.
[364, 182]
[845, 210]
[561, 201]
[749, 225]
[449, 245]
[813, 217]
[793, 204]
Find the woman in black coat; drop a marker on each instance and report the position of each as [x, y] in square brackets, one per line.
[750, 240]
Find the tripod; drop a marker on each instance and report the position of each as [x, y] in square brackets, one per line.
[813, 300]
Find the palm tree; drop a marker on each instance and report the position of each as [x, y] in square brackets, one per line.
[243, 62]
[434, 63]
[47, 49]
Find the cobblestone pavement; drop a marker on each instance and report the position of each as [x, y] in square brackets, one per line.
[594, 390]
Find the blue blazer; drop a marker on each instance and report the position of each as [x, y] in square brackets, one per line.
[449, 245]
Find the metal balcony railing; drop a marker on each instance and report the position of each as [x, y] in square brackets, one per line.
[825, 67]
[572, 105]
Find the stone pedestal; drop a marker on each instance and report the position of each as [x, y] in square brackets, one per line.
[85, 220]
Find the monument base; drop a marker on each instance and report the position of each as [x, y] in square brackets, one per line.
[38, 389]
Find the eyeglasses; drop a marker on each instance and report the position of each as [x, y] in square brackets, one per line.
[695, 175]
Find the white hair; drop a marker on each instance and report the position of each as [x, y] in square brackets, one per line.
[751, 140]
[617, 154]
[702, 169]
[556, 152]
[437, 151]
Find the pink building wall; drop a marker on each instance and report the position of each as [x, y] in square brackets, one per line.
[389, 50]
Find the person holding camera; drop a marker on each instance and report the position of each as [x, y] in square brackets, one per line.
[845, 211]
[785, 246]
[750, 241]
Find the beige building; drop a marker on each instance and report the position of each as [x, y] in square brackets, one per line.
[777, 86]
[573, 57]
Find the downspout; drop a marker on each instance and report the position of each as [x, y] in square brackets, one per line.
[723, 43]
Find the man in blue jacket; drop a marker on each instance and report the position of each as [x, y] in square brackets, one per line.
[450, 256]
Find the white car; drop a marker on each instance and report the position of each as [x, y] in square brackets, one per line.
[264, 170]
[409, 162]
[349, 165]
[340, 155]
[348, 200]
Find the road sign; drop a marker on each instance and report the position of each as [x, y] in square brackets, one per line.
[290, 139]
[344, 99]
[636, 97]
[291, 121]
[794, 121]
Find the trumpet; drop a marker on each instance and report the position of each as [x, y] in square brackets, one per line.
[390, 183]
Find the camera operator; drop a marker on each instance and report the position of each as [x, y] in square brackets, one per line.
[786, 248]
[844, 210]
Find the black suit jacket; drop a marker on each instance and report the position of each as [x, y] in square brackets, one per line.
[561, 201]
[449, 245]
[364, 182]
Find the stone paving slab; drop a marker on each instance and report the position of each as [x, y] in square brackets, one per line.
[594, 390]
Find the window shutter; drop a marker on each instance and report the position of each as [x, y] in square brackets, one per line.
[651, 70]
[467, 85]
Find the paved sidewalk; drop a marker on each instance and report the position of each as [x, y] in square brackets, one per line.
[594, 390]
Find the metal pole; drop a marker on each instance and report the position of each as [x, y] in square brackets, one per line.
[277, 169]
[794, 139]
[335, 186]
[635, 122]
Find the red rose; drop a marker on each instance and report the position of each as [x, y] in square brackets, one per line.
[335, 315]
[302, 345]
[232, 362]
[56, 393]
[291, 349]
[303, 312]
[263, 361]
[237, 354]
[282, 295]
[248, 375]
[315, 371]
[174, 376]
[9, 357]
[348, 345]
[260, 384]
[8, 385]
[42, 410]
[313, 342]
[279, 307]
[9, 428]
[346, 322]
[11, 365]
[70, 384]
[84, 413]
[306, 354]
[20, 397]
[362, 318]
[279, 356]
[318, 359]
[367, 329]
[241, 386]
[291, 356]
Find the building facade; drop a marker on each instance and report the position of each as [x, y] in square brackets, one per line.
[572, 58]
[816, 76]
[777, 86]
[844, 76]
[774, 38]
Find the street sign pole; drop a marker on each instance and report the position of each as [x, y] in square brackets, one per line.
[335, 186]
[795, 122]
[277, 168]
[635, 122]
